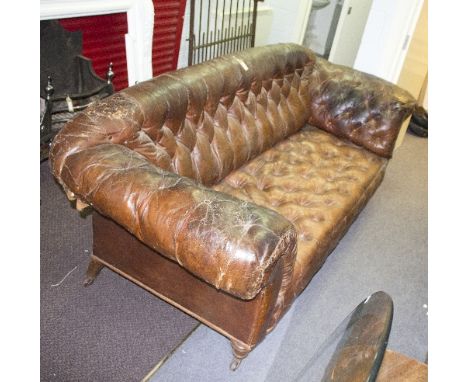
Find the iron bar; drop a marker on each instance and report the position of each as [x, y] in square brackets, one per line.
[248, 17]
[229, 26]
[211, 45]
[222, 28]
[199, 30]
[191, 34]
[204, 47]
[208, 22]
[235, 25]
[244, 40]
[216, 20]
[226, 34]
[242, 22]
[254, 23]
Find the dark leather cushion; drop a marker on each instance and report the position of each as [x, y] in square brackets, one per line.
[358, 106]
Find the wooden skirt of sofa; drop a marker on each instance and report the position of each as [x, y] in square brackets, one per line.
[244, 322]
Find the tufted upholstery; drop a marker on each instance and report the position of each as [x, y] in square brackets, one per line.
[315, 180]
[204, 121]
[358, 106]
[213, 166]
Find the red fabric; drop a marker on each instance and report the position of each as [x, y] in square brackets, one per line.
[104, 39]
[168, 23]
[103, 42]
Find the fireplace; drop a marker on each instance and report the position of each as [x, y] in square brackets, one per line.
[153, 36]
[141, 37]
[68, 82]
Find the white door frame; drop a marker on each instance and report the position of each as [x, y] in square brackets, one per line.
[138, 40]
[393, 69]
[305, 7]
[405, 40]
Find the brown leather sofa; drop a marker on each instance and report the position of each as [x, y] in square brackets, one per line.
[221, 188]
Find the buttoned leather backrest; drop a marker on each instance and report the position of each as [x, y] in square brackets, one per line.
[357, 106]
[206, 120]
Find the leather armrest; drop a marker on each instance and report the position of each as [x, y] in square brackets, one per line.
[228, 243]
[362, 108]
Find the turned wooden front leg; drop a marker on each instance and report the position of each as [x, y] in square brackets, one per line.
[94, 268]
[240, 351]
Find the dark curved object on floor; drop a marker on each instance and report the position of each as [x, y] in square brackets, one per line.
[420, 117]
[355, 350]
[419, 122]
[418, 130]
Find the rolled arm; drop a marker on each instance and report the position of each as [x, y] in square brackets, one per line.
[365, 109]
[228, 243]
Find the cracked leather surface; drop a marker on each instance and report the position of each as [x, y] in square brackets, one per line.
[357, 106]
[148, 155]
[227, 242]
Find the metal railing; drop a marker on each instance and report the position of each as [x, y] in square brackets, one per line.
[219, 27]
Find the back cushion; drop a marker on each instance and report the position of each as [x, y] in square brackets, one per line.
[203, 121]
[207, 120]
[362, 108]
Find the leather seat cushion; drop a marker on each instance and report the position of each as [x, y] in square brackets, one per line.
[318, 182]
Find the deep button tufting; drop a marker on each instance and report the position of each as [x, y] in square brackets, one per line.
[274, 202]
[305, 236]
[293, 161]
[357, 106]
[316, 218]
[307, 172]
[238, 181]
[279, 171]
[307, 202]
[290, 188]
[329, 202]
[316, 192]
[263, 183]
[343, 191]
[270, 158]
[212, 127]
[328, 155]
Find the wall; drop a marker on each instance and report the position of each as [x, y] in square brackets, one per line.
[318, 27]
[414, 71]
[289, 20]
[384, 37]
[413, 76]
[349, 31]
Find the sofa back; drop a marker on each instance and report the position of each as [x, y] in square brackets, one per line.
[206, 120]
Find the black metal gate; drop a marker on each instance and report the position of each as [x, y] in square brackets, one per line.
[219, 27]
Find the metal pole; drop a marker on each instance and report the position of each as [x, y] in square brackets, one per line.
[254, 24]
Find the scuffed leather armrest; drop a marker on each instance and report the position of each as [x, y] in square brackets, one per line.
[228, 243]
[365, 109]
